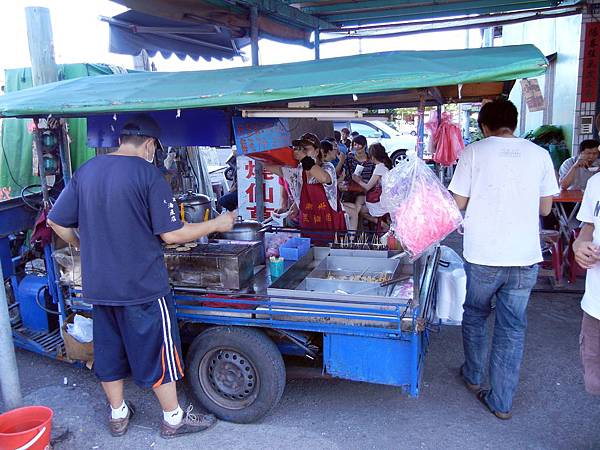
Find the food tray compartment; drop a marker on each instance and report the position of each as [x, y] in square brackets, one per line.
[212, 266]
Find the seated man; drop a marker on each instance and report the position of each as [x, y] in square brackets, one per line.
[575, 172]
[229, 201]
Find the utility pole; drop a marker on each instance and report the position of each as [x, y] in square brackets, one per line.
[41, 46]
[43, 70]
[9, 373]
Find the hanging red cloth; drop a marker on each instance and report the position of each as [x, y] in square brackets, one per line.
[317, 215]
[42, 233]
[447, 141]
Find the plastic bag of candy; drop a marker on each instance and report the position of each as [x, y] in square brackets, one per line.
[423, 212]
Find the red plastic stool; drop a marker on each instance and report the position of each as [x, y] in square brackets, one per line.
[553, 242]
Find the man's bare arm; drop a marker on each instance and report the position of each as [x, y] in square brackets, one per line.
[193, 231]
[461, 201]
[545, 205]
[66, 234]
[586, 253]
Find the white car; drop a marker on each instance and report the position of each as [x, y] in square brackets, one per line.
[393, 140]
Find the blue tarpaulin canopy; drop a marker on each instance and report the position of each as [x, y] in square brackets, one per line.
[133, 31]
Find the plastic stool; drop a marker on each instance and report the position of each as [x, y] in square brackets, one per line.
[554, 243]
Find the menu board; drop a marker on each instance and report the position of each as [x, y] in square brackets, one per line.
[259, 135]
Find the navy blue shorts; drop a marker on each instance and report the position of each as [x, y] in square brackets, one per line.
[138, 340]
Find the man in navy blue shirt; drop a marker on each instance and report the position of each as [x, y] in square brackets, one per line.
[125, 210]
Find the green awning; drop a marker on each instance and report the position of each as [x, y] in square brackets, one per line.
[370, 12]
[387, 72]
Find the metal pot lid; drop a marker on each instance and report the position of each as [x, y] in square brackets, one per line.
[241, 225]
[193, 197]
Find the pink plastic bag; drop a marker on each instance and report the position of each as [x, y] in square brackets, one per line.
[423, 212]
[448, 141]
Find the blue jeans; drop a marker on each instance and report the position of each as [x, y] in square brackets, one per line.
[511, 286]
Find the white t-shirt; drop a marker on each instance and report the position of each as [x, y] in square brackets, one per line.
[588, 213]
[293, 177]
[375, 209]
[504, 179]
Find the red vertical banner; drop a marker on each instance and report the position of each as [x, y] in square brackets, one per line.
[591, 63]
[247, 189]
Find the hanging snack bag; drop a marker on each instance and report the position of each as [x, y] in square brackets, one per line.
[423, 212]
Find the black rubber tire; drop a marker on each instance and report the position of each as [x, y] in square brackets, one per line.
[262, 359]
[397, 156]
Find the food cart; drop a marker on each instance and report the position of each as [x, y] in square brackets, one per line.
[356, 311]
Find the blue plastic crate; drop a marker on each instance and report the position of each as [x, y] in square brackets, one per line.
[295, 248]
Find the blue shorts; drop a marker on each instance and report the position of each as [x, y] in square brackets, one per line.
[138, 340]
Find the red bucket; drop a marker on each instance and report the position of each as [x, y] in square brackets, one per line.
[26, 428]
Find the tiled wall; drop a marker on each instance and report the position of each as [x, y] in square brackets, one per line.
[585, 108]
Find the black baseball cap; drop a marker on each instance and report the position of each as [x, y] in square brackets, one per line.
[142, 125]
[307, 139]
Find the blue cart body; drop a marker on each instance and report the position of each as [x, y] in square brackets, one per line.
[390, 349]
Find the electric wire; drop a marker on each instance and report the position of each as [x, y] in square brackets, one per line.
[6, 162]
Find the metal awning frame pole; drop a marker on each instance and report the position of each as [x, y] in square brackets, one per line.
[352, 34]
[254, 34]
[259, 191]
[317, 44]
[37, 141]
[421, 125]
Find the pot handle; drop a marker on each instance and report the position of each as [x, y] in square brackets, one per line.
[266, 224]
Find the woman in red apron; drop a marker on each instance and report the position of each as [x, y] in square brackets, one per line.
[313, 187]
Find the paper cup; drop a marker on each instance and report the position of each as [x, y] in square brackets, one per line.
[359, 169]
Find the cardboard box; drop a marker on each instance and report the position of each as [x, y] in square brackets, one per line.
[74, 349]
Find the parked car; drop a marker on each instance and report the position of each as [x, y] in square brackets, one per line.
[393, 140]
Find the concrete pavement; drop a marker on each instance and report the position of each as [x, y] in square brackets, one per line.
[551, 409]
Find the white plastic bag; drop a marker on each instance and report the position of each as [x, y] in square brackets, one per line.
[69, 261]
[81, 329]
[451, 287]
[423, 212]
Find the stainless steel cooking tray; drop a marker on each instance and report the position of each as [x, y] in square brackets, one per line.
[352, 275]
[217, 266]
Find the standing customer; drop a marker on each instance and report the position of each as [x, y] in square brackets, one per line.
[373, 188]
[504, 183]
[587, 255]
[124, 210]
[354, 200]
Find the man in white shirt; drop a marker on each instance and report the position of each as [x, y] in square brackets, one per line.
[504, 183]
[587, 255]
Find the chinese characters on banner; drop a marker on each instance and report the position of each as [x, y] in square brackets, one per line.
[591, 63]
[259, 135]
[247, 189]
[533, 95]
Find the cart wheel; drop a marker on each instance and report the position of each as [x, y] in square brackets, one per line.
[236, 373]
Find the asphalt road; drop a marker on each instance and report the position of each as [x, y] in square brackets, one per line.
[551, 409]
